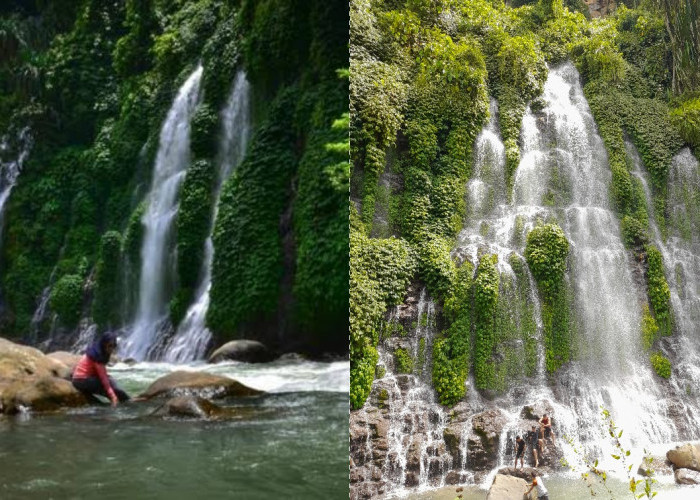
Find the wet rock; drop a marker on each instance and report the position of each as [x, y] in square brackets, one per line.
[249, 351]
[484, 439]
[189, 406]
[196, 407]
[687, 476]
[18, 361]
[414, 454]
[658, 467]
[67, 358]
[536, 410]
[455, 477]
[524, 473]
[686, 456]
[507, 488]
[39, 394]
[452, 436]
[200, 384]
[412, 479]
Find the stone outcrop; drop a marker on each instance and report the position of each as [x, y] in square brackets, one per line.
[200, 408]
[507, 488]
[19, 361]
[687, 476]
[484, 439]
[202, 384]
[249, 351]
[600, 8]
[686, 456]
[67, 358]
[30, 380]
[39, 394]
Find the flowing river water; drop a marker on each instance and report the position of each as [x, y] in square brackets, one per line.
[291, 442]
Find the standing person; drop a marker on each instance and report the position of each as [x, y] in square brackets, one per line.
[90, 375]
[546, 424]
[519, 452]
[542, 493]
[533, 439]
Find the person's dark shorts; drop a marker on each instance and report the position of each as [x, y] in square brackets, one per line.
[520, 453]
[543, 497]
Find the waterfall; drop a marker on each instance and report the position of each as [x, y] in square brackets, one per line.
[9, 170]
[681, 256]
[192, 336]
[157, 256]
[563, 176]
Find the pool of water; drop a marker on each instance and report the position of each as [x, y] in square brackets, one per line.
[292, 444]
[566, 486]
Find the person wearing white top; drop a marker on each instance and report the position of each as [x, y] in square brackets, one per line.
[542, 493]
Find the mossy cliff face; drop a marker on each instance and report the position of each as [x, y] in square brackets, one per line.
[421, 76]
[93, 81]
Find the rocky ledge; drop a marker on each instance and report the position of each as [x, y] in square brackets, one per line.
[33, 381]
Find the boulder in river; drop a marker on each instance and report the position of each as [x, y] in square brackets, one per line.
[196, 407]
[250, 351]
[686, 456]
[67, 358]
[39, 394]
[18, 361]
[507, 488]
[200, 384]
[687, 476]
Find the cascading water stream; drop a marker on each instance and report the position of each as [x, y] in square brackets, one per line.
[192, 336]
[681, 256]
[156, 252]
[9, 170]
[564, 175]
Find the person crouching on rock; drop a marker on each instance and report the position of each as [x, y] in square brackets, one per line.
[90, 374]
[542, 493]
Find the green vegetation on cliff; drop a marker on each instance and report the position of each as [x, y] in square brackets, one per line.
[421, 75]
[93, 81]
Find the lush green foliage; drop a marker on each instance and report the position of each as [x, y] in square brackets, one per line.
[403, 360]
[105, 310]
[100, 78]
[546, 252]
[485, 302]
[380, 271]
[451, 354]
[661, 364]
[659, 293]
[67, 298]
[687, 118]
[650, 328]
[248, 265]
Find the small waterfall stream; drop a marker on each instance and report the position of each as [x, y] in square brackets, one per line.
[192, 336]
[10, 169]
[681, 256]
[157, 260]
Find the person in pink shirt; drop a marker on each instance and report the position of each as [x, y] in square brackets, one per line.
[90, 374]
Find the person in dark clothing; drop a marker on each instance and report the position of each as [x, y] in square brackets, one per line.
[519, 452]
[533, 439]
[90, 375]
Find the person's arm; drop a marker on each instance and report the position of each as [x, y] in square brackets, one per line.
[534, 483]
[102, 373]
